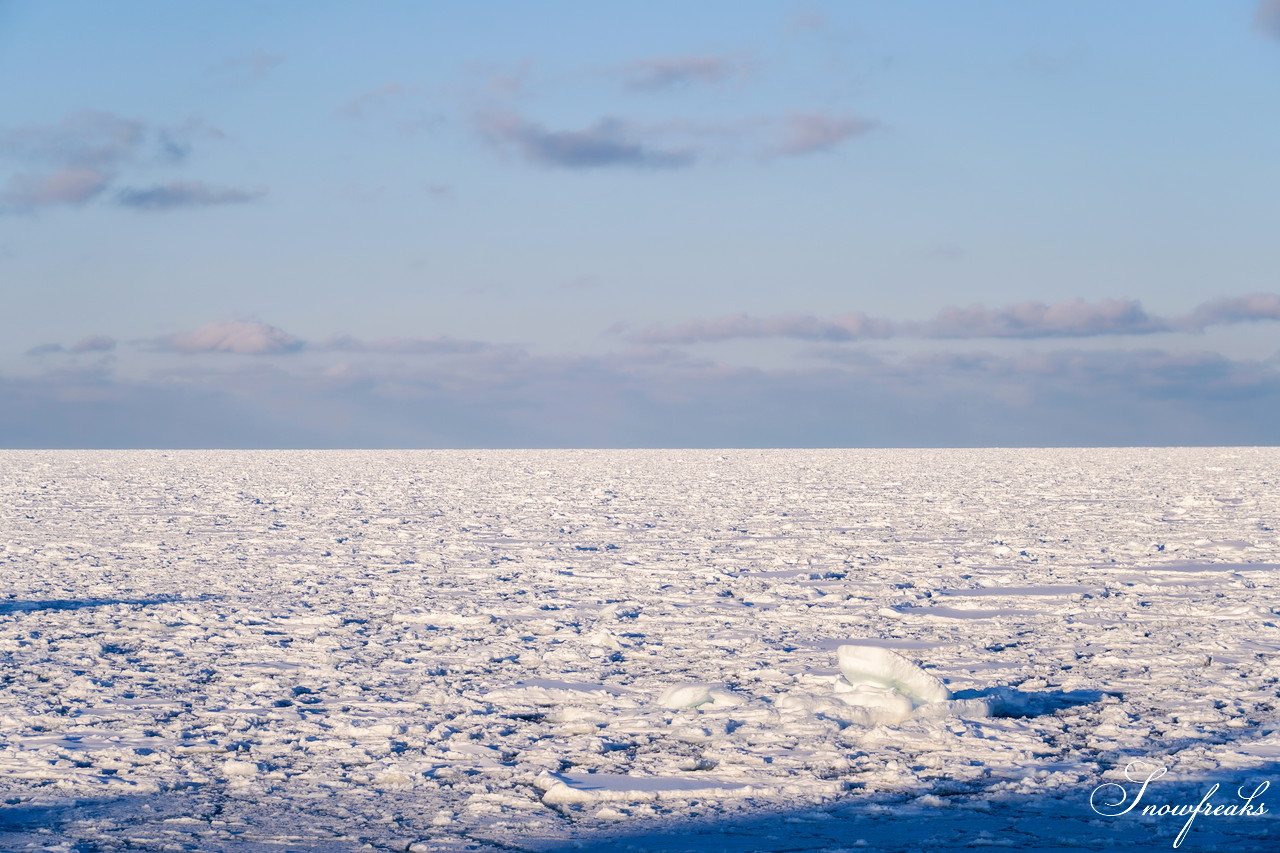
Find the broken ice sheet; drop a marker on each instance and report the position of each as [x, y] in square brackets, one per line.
[222, 649]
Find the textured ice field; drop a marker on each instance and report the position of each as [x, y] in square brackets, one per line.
[631, 649]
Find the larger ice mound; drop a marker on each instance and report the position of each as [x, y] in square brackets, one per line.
[874, 667]
[885, 688]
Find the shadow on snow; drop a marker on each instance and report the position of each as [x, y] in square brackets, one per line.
[1053, 820]
[14, 606]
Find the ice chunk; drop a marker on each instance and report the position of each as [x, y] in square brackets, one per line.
[233, 767]
[698, 696]
[877, 667]
[885, 704]
[845, 708]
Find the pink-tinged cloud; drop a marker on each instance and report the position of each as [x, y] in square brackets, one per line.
[671, 72]
[1074, 319]
[70, 186]
[1229, 310]
[76, 159]
[810, 133]
[242, 337]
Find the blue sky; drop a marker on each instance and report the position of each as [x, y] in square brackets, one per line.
[662, 224]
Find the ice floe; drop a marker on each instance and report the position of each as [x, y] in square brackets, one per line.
[467, 650]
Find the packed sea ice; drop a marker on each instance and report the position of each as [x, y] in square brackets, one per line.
[647, 650]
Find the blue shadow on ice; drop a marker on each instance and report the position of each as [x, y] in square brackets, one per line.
[1010, 702]
[14, 606]
[1046, 821]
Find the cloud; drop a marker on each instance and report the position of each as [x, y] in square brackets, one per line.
[98, 139]
[359, 106]
[94, 343]
[1152, 372]
[256, 64]
[70, 186]
[75, 160]
[1074, 319]
[809, 133]
[1233, 309]
[179, 194]
[608, 143]
[95, 408]
[392, 103]
[174, 144]
[1026, 320]
[350, 391]
[435, 345]
[656, 398]
[675, 142]
[244, 337]
[671, 72]
[251, 337]
[847, 327]
[1267, 18]
[104, 141]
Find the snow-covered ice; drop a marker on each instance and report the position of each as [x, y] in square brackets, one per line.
[447, 650]
[881, 668]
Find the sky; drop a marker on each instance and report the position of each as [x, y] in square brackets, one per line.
[660, 224]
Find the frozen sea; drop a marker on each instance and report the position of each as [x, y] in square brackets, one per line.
[639, 650]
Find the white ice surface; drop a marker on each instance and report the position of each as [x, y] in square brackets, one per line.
[879, 667]
[496, 650]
